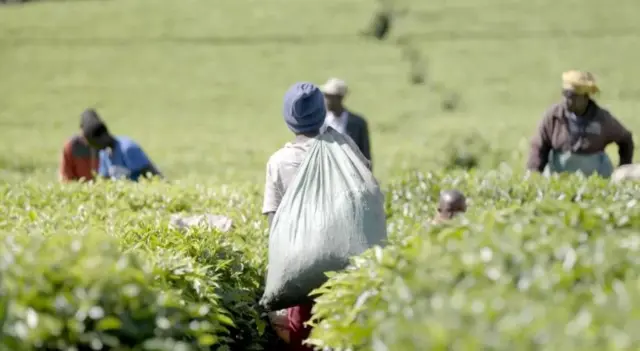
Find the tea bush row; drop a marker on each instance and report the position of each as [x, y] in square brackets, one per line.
[534, 264]
[90, 267]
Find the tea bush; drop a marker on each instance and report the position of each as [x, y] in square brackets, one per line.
[534, 264]
[96, 267]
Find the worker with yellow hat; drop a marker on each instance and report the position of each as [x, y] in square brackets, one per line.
[574, 133]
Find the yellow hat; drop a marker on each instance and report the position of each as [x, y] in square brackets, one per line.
[583, 83]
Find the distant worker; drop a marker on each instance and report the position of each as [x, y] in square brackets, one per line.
[343, 120]
[119, 157]
[574, 133]
[450, 204]
[79, 160]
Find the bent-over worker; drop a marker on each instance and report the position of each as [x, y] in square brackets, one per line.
[450, 204]
[574, 133]
[120, 157]
[79, 161]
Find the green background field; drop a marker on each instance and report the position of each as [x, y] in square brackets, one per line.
[199, 82]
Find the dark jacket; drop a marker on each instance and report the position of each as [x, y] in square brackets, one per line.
[358, 130]
[600, 129]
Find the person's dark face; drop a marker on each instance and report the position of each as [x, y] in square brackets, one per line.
[98, 139]
[576, 103]
[450, 210]
[334, 102]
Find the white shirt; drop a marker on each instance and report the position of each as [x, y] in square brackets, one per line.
[281, 169]
[283, 165]
[339, 123]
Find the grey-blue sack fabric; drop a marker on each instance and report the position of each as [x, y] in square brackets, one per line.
[333, 210]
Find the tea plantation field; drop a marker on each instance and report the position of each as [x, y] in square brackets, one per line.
[536, 264]
[199, 83]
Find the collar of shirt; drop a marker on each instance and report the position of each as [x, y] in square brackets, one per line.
[339, 123]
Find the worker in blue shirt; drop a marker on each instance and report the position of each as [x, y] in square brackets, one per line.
[119, 157]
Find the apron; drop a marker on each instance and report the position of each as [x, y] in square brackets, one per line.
[568, 162]
[571, 162]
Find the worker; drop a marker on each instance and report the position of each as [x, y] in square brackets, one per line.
[119, 157]
[304, 113]
[574, 133]
[79, 161]
[450, 204]
[343, 120]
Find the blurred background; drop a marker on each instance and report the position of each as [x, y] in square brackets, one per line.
[199, 83]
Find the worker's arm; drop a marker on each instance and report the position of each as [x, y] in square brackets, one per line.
[103, 167]
[620, 135]
[366, 144]
[540, 145]
[66, 170]
[139, 163]
[272, 197]
[360, 149]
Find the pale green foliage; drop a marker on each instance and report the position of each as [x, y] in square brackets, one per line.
[88, 265]
[535, 264]
[199, 83]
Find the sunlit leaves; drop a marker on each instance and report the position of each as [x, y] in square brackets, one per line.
[96, 267]
[535, 264]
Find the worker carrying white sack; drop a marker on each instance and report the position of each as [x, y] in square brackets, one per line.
[323, 202]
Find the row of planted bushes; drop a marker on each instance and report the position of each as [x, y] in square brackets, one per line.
[91, 267]
[535, 264]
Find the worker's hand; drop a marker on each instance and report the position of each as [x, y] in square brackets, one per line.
[118, 172]
[280, 324]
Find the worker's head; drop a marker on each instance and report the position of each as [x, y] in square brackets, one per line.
[577, 89]
[94, 130]
[334, 91]
[303, 109]
[451, 203]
